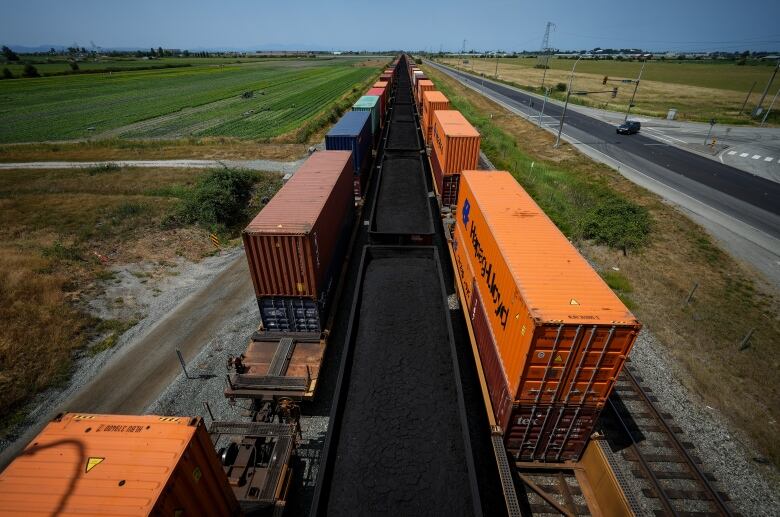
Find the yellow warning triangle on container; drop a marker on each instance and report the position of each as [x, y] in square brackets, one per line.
[558, 359]
[573, 302]
[93, 462]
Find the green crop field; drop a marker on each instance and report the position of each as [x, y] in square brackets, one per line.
[200, 100]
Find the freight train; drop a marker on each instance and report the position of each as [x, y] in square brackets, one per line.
[551, 338]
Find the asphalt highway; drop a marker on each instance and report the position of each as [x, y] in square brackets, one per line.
[746, 197]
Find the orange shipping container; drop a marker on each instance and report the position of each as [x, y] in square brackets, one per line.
[455, 145]
[560, 332]
[423, 85]
[118, 465]
[432, 101]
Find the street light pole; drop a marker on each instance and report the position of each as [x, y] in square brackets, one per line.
[766, 90]
[770, 107]
[636, 86]
[566, 105]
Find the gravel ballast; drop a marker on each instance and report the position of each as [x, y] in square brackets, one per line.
[400, 445]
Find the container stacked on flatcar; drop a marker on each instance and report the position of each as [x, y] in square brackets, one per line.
[423, 85]
[433, 100]
[353, 133]
[454, 148]
[371, 104]
[296, 243]
[552, 336]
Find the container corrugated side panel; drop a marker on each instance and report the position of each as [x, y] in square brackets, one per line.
[548, 433]
[498, 384]
[462, 154]
[509, 319]
[281, 265]
[582, 371]
[199, 482]
[427, 119]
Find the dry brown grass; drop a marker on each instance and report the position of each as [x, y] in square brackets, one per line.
[654, 98]
[102, 150]
[54, 221]
[703, 337]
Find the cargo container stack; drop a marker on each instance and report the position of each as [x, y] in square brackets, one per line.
[552, 336]
[371, 104]
[353, 133]
[296, 244]
[454, 148]
[379, 92]
[432, 100]
[423, 85]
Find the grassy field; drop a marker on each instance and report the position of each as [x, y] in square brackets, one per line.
[179, 102]
[699, 91]
[55, 223]
[701, 338]
[60, 64]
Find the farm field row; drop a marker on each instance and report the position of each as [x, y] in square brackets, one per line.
[176, 102]
[698, 91]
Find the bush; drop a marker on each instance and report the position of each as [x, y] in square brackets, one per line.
[74, 66]
[561, 87]
[618, 223]
[30, 71]
[219, 199]
[418, 61]
[7, 74]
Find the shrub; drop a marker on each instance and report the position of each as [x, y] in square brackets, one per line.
[418, 61]
[219, 199]
[30, 71]
[561, 87]
[618, 223]
[74, 66]
[7, 74]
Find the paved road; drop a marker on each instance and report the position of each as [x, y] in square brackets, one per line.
[258, 165]
[740, 206]
[138, 373]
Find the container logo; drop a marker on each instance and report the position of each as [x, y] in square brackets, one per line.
[465, 212]
[488, 274]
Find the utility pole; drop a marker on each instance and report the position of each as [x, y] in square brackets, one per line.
[496, 64]
[636, 86]
[742, 109]
[766, 90]
[770, 107]
[566, 105]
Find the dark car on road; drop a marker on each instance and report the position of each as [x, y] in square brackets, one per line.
[629, 127]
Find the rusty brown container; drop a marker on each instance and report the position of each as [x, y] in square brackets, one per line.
[562, 334]
[291, 244]
[423, 85]
[84, 464]
[549, 433]
[432, 100]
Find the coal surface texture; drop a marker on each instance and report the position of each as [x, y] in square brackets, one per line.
[402, 136]
[403, 113]
[402, 202]
[401, 449]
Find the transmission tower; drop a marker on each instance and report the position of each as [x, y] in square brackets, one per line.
[544, 53]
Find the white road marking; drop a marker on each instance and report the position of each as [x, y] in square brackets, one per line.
[732, 153]
[756, 156]
[769, 158]
[744, 155]
[664, 134]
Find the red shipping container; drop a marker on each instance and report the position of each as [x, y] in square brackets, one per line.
[291, 244]
[549, 433]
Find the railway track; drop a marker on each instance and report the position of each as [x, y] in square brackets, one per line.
[675, 484]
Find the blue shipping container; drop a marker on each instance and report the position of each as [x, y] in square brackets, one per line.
[352, 133]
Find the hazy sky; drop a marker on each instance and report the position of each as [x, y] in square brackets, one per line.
[406, 24]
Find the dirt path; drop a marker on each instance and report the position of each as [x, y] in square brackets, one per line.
[258, 165]
[136, 375]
